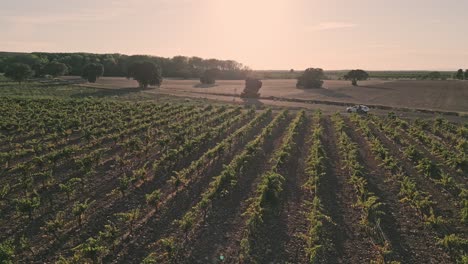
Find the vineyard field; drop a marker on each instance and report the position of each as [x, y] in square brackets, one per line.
[108, 181]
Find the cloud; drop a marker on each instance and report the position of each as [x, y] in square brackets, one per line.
[115, 9]
[332, 25]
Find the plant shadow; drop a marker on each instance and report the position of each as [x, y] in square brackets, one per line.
[201, 85]
[375, 87]
[326, 92]
[252, 102]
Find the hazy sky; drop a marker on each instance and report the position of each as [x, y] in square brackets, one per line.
[263, 34]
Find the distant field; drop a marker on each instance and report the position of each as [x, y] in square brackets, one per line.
[433, 95]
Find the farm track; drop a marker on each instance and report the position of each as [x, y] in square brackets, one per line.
[353, 246]
[411, 240]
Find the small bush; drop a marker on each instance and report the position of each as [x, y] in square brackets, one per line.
[252, 86]
[312, 78]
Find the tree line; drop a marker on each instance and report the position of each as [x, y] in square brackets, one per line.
[460, 75]
[116, 65]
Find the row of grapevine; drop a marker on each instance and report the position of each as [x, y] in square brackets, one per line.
[221, 186]
[268, 196]
[369, 203]
[134, 217]
[426, 167]
[419, 200]
[130, 181]
[87, 163]
[318, 240]
[455, 158]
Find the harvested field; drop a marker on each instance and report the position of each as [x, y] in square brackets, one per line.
[431, 95]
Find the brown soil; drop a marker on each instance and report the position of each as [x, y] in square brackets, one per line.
[438, 95]
[353, 246]
[221, 233]
[412, 242]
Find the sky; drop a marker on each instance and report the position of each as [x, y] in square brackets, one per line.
[262, 34]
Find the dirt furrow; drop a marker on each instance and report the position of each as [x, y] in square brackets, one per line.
[412, 242]
[444, 205]
[220, 235]
[352, 244]
[161, 224]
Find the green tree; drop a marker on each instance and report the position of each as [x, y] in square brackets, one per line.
[466, 74]
[145, 73]
[209, 76]
[35, 61]
[19, 72]
[92, 71]
[311, 78]
[2, 65]
[75, 64]
[435, 75]
[459, 75]
[55, 69]
[356, 75]
[252, 86]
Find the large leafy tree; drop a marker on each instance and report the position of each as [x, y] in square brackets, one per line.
[311, 78]
[356, 75]
[56, 69]
[466, 74]
[34, 61]
[19, 72]
[145, 73]
[92, 72]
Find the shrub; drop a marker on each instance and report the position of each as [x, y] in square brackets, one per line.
[145, 73]
[311, 78]
[252, 86]
[209, 76]
[19, 72]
